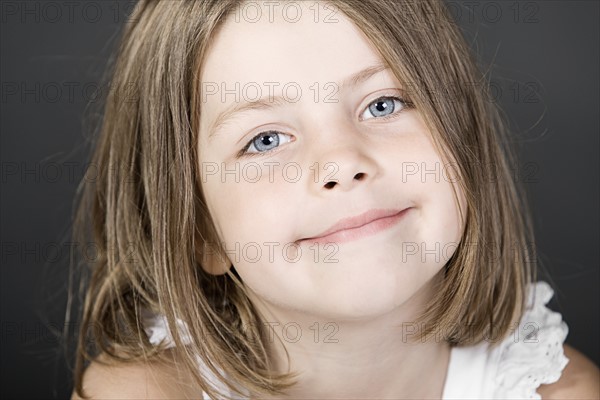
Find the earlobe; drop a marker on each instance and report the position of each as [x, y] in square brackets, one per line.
[209, 254]
[214, 263]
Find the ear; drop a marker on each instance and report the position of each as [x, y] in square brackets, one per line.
[209, 252]
[214, 261]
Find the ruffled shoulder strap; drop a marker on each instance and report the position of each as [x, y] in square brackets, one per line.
[157, 329]
[533, 354]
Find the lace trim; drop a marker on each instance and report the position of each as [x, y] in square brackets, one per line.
[535, 354]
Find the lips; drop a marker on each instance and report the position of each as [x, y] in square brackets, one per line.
[361, 225]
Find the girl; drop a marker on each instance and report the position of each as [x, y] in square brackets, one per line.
[311, 200]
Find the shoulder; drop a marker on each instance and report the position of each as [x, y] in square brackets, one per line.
[135, 380]
[579, 380]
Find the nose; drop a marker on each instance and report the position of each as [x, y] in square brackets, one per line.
[342, 161]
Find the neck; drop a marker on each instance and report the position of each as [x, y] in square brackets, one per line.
[357, 358]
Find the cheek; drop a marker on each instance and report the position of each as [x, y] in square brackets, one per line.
[447, 232]
[422, 172]
[247, 211]
[230, 207]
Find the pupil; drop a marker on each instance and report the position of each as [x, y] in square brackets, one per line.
[381, 106]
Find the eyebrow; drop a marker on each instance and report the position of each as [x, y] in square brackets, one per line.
[271, 102]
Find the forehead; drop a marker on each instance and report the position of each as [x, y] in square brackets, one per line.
[308, 43]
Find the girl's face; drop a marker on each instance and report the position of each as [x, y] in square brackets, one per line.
[333, 148]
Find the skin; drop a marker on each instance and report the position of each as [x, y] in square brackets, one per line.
[365, 288]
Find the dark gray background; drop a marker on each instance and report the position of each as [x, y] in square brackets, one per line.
[545, 70]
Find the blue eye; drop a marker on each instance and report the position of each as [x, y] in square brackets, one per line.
[262, 143]
[385, 106]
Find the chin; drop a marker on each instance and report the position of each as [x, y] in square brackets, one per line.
[362, 299]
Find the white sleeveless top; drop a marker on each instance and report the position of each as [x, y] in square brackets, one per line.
[530, 356]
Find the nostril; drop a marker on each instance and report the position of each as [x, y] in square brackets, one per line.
[329, 185]
[359, 176]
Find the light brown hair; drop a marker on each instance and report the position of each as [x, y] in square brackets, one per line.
[147, 216]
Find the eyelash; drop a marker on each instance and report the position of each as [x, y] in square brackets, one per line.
[407, 105]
